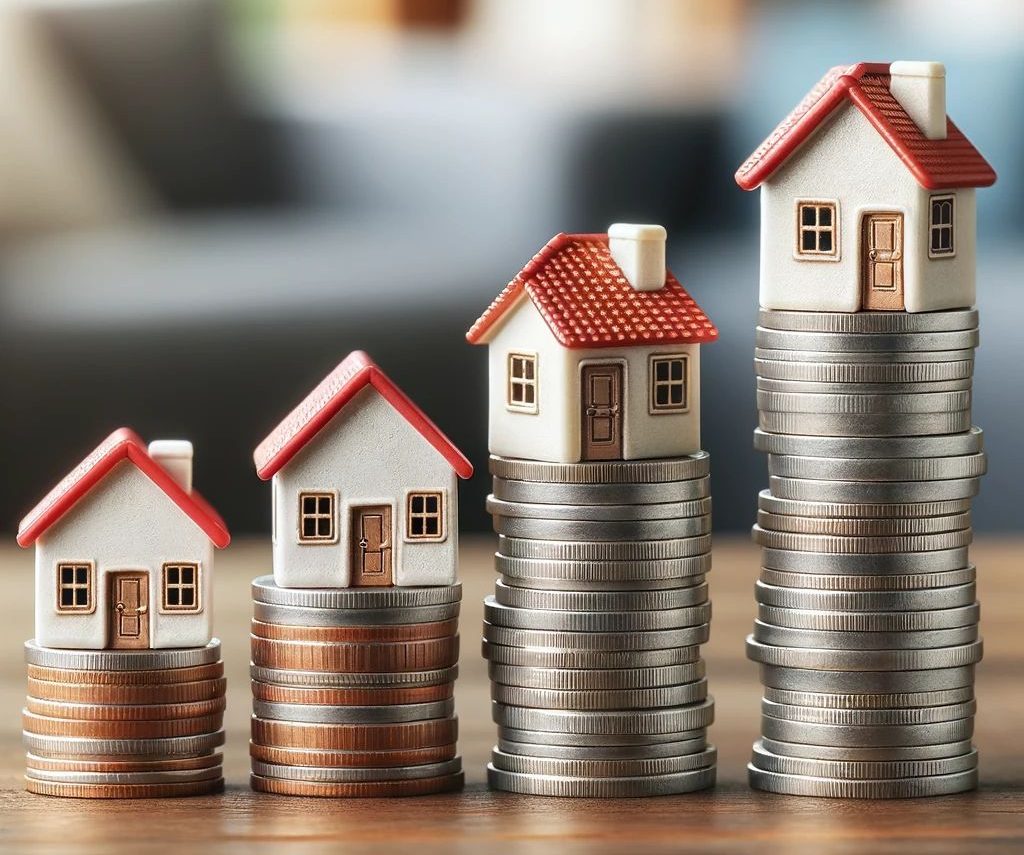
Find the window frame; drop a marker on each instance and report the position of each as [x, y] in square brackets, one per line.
[168, 608]
[318, 540]
[802, 254]
[527, 383]
[442, 517]
[90, 588]
[653, 383]
[940, 198]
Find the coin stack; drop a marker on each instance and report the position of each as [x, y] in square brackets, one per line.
[867, 628]
[353, 690]
[592, 636]
[121, 724]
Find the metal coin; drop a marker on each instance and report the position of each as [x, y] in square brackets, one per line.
[174, 764]
[309, 617]
[589, 679]
[611, 530]
[872, 564]
[540, 492]
[264, 590]
[827, 659]
[872, 717]
[600, 601]
[362, 697]
[126, 778]
[627, 572]
[668, 720]
[591, 513]
[833, 371]
[624, 586]
[567, 550]
[869, 425]
[341, 774]
[857, 510]
[861, 545]
[805, 387]
[870, 621]
[96, 711]
[953, 597]
[845, 583]
[861, 769]
[603, 642]
[380, 633]
[538, 657]
[136, 749]
[870, 736]
[353, 715]
[401, 656]
[867, 682]
[121, 660]
[968, 442]
[160, 729]
[355, 737]
[855, 405]
[882, 753]
[869, 322]
[158, 677]
[166, 693]
[901, 788]
[597, 699]
[887, 492]
[599, 741]
[864, 641]
[363, 789]
[597, 788]
[527, 765]
[678, 748]
[123, 791]
[591, 621]
[851, 701]
[605, 472]
[352, 759]
[888, 357]
[879, 469]
[859, 342]
[893, 527]
[352, 680]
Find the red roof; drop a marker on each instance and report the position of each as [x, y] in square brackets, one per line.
[936, 164]
[587, 301]
[321, 405]
[122, 444]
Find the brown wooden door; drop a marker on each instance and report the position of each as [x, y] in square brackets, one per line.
[601, 406]
[371, 546]
[882, 262]
[129, 609]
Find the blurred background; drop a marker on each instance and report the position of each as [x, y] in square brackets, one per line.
[205, 205]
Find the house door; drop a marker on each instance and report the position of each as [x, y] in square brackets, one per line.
[371, 546]
[882, 262]
[129, 609]
[601, 405]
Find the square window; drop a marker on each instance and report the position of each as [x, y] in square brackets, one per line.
[668, 381]
[180, 587]
[425, 513]
[522, 382]
[74, 587]
[317, 518]
[816, 229]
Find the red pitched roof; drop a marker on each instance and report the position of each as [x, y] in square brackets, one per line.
[587, 301]
[936, 164]
[321, 405]
[122, 444]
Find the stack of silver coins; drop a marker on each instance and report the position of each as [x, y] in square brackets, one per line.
[592, 636]
[867, 625]
[124, 724]
[353, 690]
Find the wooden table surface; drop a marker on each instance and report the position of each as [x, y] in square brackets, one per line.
[730, 818]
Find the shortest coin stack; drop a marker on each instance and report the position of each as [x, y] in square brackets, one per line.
[124, 723]
[353, 690]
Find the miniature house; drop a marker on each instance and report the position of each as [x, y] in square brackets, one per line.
[867, 195]
[124, 550]
[364, 487]
[594, 352]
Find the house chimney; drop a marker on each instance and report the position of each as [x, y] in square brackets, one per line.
[920, 87]
[174, 456]
[640, 251]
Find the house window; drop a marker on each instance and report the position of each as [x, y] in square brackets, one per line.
[425, 516]
[670, 375]
[522, 382]
[940, 227]
[816, 230]
[180, 587]
[317, 518]
[74, 586]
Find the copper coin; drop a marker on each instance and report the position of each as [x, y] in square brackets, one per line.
[123, 791]
[351, 697]
[398, 656]
[156, 693]
[352, 759]
[124, 712]
[59, 764]
[161, 676]
[356, 737]
[415, 787]
[380, 633]
[119, 729]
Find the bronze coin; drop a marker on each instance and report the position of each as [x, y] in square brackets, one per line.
[356, 737]
[46, 726]
[374, 789]
[124, 712]
[123, 791]
[352, 759]
[383, 633]
[60, 764]
[398, 656]
[156, 693]
[351, 697]
[212, 671]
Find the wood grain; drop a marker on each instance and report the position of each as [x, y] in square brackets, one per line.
[730, 818]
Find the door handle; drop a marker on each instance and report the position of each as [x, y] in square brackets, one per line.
[363, 543]
[141, 610]
[602, 411]
[894, 257]
[119, 608]
[873, 254]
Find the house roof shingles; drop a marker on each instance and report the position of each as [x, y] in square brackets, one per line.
[935, 164]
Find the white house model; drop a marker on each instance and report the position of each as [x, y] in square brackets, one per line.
[124, 550]
[867, 195]
[364, 487]
[594, 352]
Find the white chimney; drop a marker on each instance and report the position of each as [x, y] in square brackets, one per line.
[920, 87]
[640, 251]
[175, 456]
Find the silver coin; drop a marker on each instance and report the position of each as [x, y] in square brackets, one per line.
[897, 602]
[528, 765]
[782, 636]
[877, 492]
[869, 718]
[860, 342]
[667, 720]
[175, 776]
[199, 745]
[660, 750]
[843, 583]
[596, 641]
[600, 601]
[604, 472]
[872, 564]
[323, 714]
[851, 701]
[589, 621]
[855, 405]
[264, 590]
[604, 741]
[568, 550]
[858, 510]
[870, 425]
[879, 469]
[867, 682]
[805, 387]
[302, 616]
[968, 442]
[540, 492]
[613, 530]
[600, 788]
[592, 513]
[861, 545]
[893, 527]
[859, 770]
[339, 680]
[629, 572]
[624, 586]
[351, 775]
[598, 699]
[868, 754]
[897, 788]
[870, 621]
[869, 736]
[589, 679]
[827, 659]
[869, 322]
[839, 371]
[150, 659]
[535, 657]
[844, 357]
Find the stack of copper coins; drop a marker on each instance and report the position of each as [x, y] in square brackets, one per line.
[353, 690]
[108, 724]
